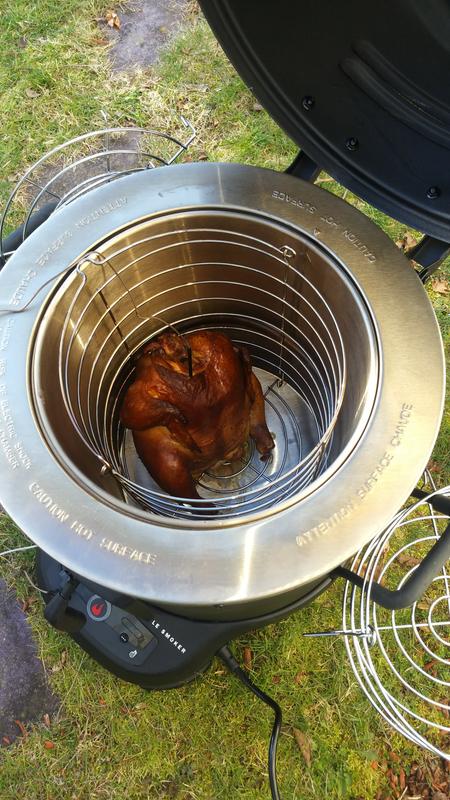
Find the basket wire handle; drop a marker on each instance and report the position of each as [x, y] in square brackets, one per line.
[95, 257]
[20, 309]
[417, 583]
[287, 252]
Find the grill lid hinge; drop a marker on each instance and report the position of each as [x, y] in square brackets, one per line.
[429, 253]
[304, 167]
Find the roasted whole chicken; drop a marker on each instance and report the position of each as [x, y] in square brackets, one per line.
[193, 402]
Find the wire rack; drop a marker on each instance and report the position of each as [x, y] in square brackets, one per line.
[112, 308]
[401, 659]
[81, 164]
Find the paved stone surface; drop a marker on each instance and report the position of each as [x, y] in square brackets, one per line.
[24, 692]
[146, 28]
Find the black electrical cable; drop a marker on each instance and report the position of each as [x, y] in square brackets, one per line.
[230, 662]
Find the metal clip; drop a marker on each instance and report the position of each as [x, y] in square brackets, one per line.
[359, 633]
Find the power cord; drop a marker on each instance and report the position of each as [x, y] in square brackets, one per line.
[230, 662]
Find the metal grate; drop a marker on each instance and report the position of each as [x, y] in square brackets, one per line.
[401, 659]
[83, 163]
[297, 351]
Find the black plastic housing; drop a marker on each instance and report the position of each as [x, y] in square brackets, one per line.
[174, 650]
[363, 87]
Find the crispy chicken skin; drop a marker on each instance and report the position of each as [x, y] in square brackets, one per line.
[182, 424]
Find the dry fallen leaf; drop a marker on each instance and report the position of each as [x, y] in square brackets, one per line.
[408, 561]
[49, 745]
[21, 727]
[100, 41]
[248, 658]
[276, 679]
[300, 677]
[393, 780]
[31, 93]
[258, 107]
[406, 242]
[46, 720]
[203, 156]
[441, 286]
[113, 19]
[6, 740]
[60, 664]
[402, 779]
[27, 603]
[303, 744]
[101, 701]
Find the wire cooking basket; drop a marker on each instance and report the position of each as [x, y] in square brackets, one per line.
[298, 356]
[85, 162]
[401, 658]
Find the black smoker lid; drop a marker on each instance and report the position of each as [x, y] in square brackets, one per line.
[363, 87]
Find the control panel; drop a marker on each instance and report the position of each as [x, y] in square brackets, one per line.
[123, 635]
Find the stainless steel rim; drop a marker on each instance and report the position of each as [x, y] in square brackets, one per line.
[243, 566]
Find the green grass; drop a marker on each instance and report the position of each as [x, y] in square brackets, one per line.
[208, 740]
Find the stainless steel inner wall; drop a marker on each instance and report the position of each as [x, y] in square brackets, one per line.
[309, 333]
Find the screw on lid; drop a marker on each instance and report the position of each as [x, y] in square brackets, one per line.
[308, 102]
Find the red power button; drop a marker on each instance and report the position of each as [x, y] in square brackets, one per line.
[98, 608]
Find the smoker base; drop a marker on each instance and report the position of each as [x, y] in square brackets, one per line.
[154, 649]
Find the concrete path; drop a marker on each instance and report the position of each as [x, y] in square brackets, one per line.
[146, 28]
[24, 691]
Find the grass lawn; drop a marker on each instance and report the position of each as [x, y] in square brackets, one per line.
[208, 740]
